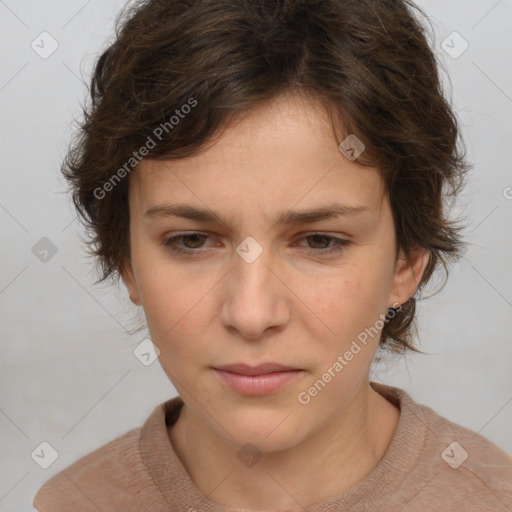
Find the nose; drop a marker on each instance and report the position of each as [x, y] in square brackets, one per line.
[256, 297]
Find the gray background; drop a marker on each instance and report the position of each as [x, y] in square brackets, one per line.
[69, 376]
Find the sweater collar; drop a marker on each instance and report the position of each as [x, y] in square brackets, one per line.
[179, 490]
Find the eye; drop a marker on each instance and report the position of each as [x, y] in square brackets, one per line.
[193, 243]
[337, 244]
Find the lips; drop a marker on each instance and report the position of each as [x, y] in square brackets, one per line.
[261, 369]
[263, 379]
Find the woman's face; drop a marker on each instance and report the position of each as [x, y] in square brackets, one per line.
[257, 280]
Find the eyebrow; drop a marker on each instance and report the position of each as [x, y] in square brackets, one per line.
[186, 211]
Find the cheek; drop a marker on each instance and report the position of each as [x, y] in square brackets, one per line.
[346, 317]
[347, 298]
[176, 319]
[177, 305]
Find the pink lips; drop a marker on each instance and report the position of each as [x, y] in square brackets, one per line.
[256, 380]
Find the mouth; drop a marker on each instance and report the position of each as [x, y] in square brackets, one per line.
[258, 380]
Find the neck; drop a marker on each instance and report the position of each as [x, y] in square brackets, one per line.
[326, 464]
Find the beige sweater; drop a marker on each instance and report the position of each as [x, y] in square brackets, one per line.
[421, 471]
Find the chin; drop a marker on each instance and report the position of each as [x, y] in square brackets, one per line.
[267, 431]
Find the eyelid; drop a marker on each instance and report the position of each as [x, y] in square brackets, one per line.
[301, 235]
[336, 248]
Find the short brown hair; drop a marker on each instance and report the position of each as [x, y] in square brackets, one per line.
[368, 61]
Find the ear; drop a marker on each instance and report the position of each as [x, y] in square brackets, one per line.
[128, 277]
[408, 275]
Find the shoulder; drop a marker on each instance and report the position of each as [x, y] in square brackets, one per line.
[472, 457]
[113, 477]
[458, 467]
[107, 471]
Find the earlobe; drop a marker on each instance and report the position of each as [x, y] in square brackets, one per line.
[129, 281]
[408, 275]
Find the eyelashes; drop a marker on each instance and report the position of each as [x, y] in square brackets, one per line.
[172, 244]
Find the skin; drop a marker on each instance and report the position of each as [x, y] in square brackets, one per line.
[291, 305]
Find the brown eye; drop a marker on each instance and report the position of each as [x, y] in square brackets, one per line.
[319, 240]
[328, 244]
[192, 243]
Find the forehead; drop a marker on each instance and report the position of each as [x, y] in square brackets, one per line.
[279, 154]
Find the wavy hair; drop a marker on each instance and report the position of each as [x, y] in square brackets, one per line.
[369, 61]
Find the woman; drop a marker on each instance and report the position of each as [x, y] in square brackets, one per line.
[268, 179]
